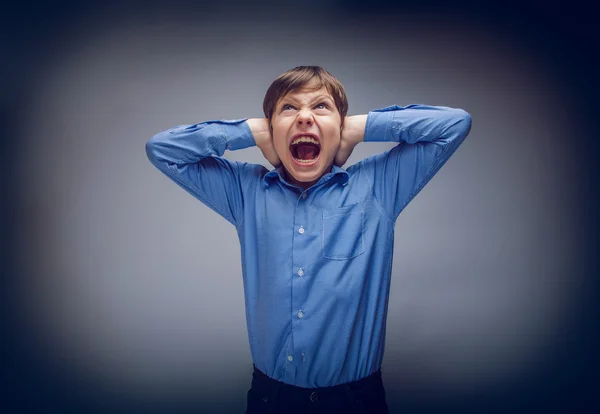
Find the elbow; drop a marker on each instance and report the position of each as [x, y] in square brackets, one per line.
[151, 152]
[153, 147]
[463, 123]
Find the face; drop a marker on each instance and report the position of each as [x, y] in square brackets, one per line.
[306, 134]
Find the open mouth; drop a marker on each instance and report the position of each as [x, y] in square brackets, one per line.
[305, 149]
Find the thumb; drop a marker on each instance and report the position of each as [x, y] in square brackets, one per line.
[342, 156]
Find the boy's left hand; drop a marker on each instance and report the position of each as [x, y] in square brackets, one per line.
[353, 132]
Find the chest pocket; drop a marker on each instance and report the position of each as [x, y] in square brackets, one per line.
[343, 230]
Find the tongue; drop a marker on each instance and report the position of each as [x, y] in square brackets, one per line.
[306, 152]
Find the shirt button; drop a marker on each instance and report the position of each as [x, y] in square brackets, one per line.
[301, 230]
[300, 272]
[304, 195]
[300, 314]
[290, 358]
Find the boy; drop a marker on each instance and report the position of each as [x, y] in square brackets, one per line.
[316, 240]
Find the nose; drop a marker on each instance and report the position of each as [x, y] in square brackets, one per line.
[305, 117]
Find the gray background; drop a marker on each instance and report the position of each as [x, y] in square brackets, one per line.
[128, 290]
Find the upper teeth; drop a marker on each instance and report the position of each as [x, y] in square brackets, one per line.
[305, 139]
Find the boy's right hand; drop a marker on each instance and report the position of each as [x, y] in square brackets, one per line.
[264, 140]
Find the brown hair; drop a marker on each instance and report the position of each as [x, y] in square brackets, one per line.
[298, 77]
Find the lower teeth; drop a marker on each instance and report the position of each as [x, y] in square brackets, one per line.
[304, 161]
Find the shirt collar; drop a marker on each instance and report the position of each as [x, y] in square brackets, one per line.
[279, 173]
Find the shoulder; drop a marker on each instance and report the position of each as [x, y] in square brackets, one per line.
[249, 173]
[374, 161]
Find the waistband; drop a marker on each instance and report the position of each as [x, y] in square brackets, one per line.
[312, 393]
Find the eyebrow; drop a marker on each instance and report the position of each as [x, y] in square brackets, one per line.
[316, 98]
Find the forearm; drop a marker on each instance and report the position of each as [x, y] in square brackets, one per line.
[190, 143]
[417, 123]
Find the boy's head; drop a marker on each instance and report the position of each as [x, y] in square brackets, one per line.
[306, 107]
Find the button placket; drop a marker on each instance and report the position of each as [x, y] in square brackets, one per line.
[298, 285]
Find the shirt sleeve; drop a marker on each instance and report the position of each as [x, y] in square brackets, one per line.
[427, 136]
[190, 155]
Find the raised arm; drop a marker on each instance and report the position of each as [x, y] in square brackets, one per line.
[191, 156]
[427, 136]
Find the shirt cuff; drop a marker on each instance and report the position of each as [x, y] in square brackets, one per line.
[379, 124]
[237, 134]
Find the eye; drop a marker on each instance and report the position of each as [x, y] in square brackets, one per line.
[285, 107]
[322, 105]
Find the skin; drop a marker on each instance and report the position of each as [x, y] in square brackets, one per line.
[307, 110]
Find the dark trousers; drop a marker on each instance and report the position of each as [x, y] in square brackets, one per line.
[269, 396]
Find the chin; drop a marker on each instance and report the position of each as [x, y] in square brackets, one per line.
[306, 173]
[306, 176]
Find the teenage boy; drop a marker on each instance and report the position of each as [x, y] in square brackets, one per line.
[316, 239]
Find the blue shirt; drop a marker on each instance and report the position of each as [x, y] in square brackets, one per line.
[316, 263]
